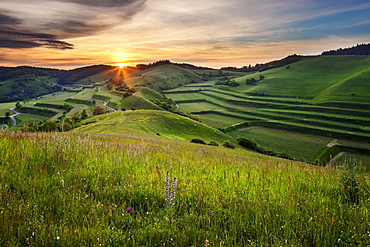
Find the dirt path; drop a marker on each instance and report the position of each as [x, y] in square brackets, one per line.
[332, 143]
[12, 116]
[104, 103]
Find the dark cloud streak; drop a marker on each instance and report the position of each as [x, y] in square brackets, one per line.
[72, 28]
[8, 20]
[103, 3]
[27, 39]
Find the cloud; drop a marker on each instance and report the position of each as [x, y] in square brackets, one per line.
[60, 19]
[8, 20]
[105, 3]
[27, 39]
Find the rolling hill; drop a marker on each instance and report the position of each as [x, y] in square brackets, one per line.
[151, 124]
[320, 79]
[298, 105]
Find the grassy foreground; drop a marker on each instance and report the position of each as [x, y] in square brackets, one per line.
[90, 190]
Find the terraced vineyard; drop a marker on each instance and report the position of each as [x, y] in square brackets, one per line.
[234, 113]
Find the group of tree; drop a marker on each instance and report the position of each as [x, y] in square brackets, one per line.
[28, 87]
[227, 81]
[265, 66]
[253, 81]
[34, 110]
[62, 124]
[7, 73]
[254, 146]
[362, 49]
[168, 62]
[65, 77]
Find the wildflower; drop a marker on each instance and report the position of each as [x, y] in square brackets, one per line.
[206, 242]
[128, 210]
[170, 190]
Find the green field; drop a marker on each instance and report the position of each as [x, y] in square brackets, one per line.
[151, 123]
[332, 78]
[287, 100]
[301, 146]
[199, 106]
[76, 189]
[219, 121]
[26, 119]
[325, 96]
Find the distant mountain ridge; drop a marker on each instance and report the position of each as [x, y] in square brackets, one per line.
[362, 49]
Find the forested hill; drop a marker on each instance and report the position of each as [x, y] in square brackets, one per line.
[168, 62]
[362, 49]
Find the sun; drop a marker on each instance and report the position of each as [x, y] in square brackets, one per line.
[121, 65]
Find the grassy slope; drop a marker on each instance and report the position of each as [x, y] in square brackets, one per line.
[320, 79]
[163, 77]
[316, 78]
[75, 189]
[138, 102]
[152, 122]
[301, 146]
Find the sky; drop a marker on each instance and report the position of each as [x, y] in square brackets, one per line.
[67, 34]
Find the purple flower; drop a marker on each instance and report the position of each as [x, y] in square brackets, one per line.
[170, 190]
[128, 209]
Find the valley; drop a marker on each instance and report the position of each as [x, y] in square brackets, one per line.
[296, 109]
[171, 154]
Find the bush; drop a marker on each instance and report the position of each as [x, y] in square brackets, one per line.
[212, 143]
[247, 143]
[228, 145]
[98, 110]
[200, 141]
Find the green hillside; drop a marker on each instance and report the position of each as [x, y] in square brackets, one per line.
[320, 79]
[282, 108]
[297, 108]
[155, 123]
[26, 86]
[164, 77]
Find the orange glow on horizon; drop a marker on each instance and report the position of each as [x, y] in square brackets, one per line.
[121, 65]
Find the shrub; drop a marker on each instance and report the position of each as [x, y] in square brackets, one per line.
[247, 143]
[98, 110]
[212, 143]
[200, 141]
[228, 145]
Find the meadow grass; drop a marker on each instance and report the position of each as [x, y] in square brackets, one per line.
[199, 106]
[91, 190]
[138, 102]
[218, 121]
[363, 161]
[4, 111]
[153, 124]
[300, 146]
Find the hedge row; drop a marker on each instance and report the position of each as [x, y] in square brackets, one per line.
[56, 106]
[101, 97]
[37, 111]
[80, 101]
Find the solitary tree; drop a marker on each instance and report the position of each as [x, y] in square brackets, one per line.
[84, 114]
[98, 110]
[7, 114]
